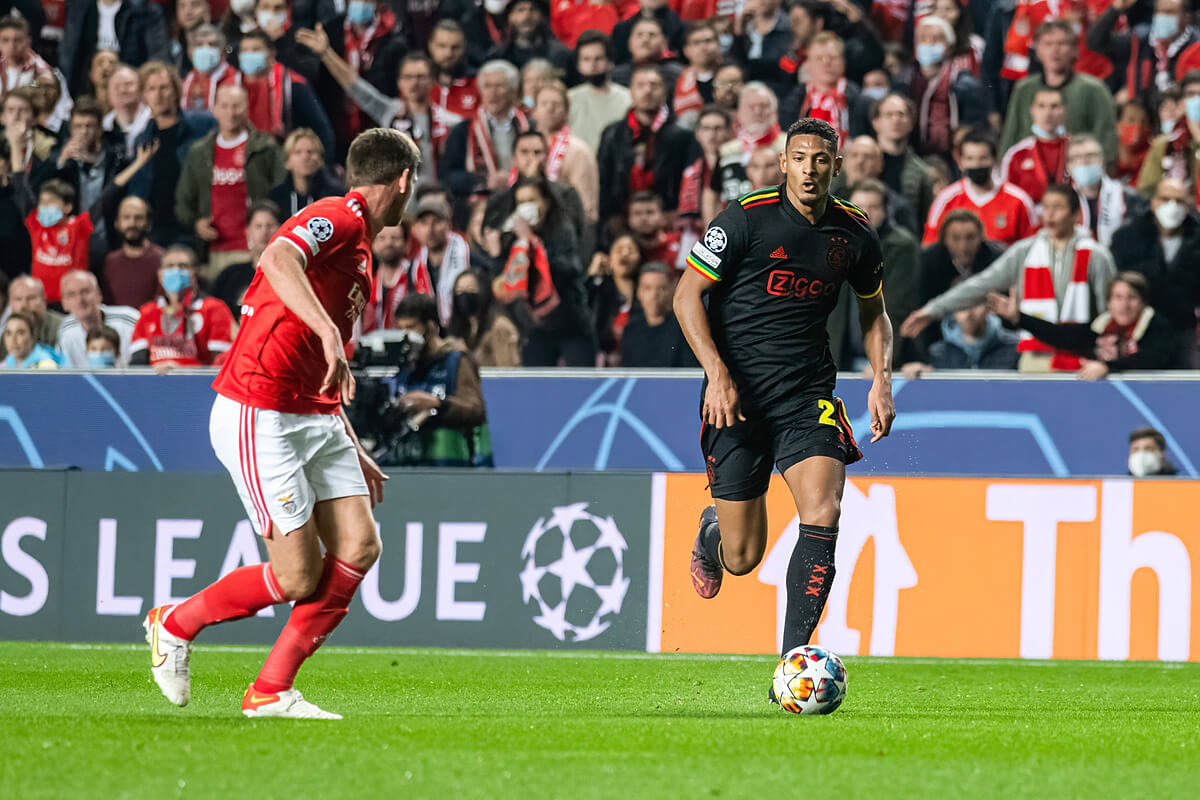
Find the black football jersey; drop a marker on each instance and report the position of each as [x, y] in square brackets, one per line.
[776, 278]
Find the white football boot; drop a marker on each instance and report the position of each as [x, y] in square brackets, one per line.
[288, 704]
[169, 657]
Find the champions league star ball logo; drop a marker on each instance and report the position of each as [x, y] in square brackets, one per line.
[715, 239]
[574, 573]
[320, 228]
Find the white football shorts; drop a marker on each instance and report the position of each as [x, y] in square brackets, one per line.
[284, 464]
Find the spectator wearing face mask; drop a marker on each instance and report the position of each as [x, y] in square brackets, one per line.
[183, 327]
[1161, 243]
[1175, 153]
[490, 337]
[82, 299]
[1148, 454]
[437, 403]
[278, 99]
[210, 70]
[1147, 56]
[1128, 336]
[190, 16]
[1036, 162]
[103, 347]
[1133, 140]
[131, 271]
[24, 352]
[946, 94]
[597, 102]
[1106, 204]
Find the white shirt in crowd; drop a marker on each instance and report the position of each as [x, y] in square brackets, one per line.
[72, 338]
[106, 36]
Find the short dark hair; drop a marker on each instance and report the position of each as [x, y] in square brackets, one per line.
[1134, 280]
[807, 126]
[448, 25]
[23, 316]
[420, 307]
[1149, 433]
[593, 36]
[528, 133]
[414, 57]
[961, 215]
[1067, 192]
[14, 23]
[873, 186]
[711, 110]
[187, 251]
[644, 196]
[1189, 77]
[1044, 89]
[60, 189]
[87, 106]
[908, 104]
[979, 135]
[379, 156]
[261, 36]
[640, 68]
[107, 334]
[269, 206]
[696, 26]
[654, 268]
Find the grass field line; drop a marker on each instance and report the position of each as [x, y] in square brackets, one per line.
[634, 656]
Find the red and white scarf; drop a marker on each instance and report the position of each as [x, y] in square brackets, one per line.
[765, 139]
[480, 152]
[360, 50]
[691, 187]
[554, 161]
[829, 106]
[1039, 300]
[937, 84]
[527, 277]
[642, 174]
[27, 70]
[201, 85]
[279, 91]
[687, 92]
[455, 261]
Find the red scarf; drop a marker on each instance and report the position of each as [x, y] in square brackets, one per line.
[691, 188]
[480, 153]
[198, 85]
[558, 152]
[514, 283]
[829, 106]
[687, 92]
[360, 50]
[1177, 160]
[642, 174]
[268, 116]
[766, 139]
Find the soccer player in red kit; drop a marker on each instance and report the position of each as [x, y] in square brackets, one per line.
[278, 427]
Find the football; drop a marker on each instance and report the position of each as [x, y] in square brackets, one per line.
[809, 680]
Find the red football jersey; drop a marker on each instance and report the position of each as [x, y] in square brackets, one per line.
[1033, 165]
[276, 362]
[1007, 212]
[451, 105]
[199, 340]
[58, 250]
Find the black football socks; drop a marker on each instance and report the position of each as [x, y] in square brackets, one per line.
[809, 576]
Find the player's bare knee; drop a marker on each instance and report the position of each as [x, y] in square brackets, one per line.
[361, 552]
[300, 583]
[740, 559]
[826, 512]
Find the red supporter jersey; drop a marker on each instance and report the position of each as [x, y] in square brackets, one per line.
[452, 104]
[1007, 212]
[58, 250]
[1033, 165]
[199, 341]
[277, 362]
[229, 200]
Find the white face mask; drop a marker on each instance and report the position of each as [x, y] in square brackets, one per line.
[1170, 214]
[495, 6]
[1144, 462]
[271, 19]
[241, 7]
[529, 212]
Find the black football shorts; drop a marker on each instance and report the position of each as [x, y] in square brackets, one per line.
[739, 459]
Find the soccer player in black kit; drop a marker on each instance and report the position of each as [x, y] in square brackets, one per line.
[771, 266]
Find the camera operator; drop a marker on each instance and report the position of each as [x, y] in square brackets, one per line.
[436, 416]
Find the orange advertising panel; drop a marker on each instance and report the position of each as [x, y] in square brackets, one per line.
[962, 568]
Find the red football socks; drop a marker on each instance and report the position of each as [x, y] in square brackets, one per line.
[245, 591]
[311, 621]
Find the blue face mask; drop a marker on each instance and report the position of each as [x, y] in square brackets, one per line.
[49, 216]
[1164, 27]
[105, 359]
[176, 280]
[1045, 135]
[359, 12]
[1086, 174]
[205, 58]
[1167, 126]
[1193, 109]
[930, 54]
[252, 63]
[875, 92]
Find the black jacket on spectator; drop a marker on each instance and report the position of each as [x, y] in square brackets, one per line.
[1157, 343]
[500, 206]
[140, 30]
[646, 345]
[385, 62]
[858, 106]
[1103, 38]
[155, 183]
[550, 49]
[484, 32]
[938, 273]
[321, 184]
[454, 175]
[1174, 287]
[864, 47]
[776, 67]
[14, 236]
[675, 149]
[672, 27]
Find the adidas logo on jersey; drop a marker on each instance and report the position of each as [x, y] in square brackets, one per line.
[778, 253]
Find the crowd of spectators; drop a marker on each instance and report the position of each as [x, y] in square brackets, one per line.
[1031, 168]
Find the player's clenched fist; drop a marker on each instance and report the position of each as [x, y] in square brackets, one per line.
[722, 406]
[882, 408]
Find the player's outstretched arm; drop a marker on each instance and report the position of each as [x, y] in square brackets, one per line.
[877, 341]
[283, 265]
[722, 407]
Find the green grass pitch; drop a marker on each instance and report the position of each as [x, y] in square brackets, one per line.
[86, 721]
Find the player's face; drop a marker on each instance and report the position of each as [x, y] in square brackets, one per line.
[809, 166]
